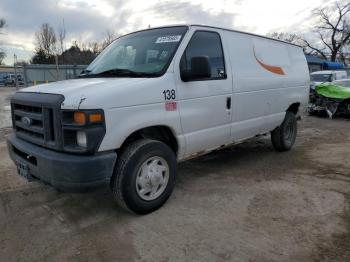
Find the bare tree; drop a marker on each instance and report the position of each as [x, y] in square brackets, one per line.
[287, 37]
[46, 40]
[95, 47]
[109, 36]
[2, 53]
[333, 31]
[2, 22]
[2, 57]
[61, 39]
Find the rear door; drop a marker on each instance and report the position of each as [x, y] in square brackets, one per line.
[205, 104]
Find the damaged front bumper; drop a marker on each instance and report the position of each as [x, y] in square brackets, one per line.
[330, 106]
[330, 98]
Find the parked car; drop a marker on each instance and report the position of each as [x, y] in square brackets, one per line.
[2, 80]
[153, 98]
[331, 98]
[320, 77]
[10, 80]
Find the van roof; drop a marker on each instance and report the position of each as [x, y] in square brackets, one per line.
[221, 28]
[247, 33]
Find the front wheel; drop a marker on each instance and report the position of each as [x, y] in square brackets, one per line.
[144, 176]
[283, 137]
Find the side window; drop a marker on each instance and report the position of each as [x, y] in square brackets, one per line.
[204, 43]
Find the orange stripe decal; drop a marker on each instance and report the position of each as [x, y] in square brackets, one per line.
[273, 69]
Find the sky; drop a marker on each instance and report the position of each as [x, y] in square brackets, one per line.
[87, 20]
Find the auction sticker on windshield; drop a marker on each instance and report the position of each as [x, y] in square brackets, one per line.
[168, 39]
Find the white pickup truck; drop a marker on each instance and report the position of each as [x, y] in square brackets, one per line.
[153, 98]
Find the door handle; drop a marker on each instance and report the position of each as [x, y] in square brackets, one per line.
[228, 103]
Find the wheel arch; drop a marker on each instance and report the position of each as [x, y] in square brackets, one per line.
[294, 108]
[161, 133]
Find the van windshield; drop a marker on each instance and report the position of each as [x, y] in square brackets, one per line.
[142, 54]
[321, 78]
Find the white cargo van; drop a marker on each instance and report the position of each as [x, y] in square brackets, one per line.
[153, 98]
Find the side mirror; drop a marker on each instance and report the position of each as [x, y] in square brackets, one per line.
[200, 68]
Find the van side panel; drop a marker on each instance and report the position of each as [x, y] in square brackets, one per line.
[149, 110]
[268, 76]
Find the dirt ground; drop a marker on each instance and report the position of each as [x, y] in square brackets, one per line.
[246, 203]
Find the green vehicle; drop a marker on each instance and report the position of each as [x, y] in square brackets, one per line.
[331, 98]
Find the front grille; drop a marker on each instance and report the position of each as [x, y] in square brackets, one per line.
[34, 122]
[37, 118]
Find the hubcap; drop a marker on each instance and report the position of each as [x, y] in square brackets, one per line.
[152, 178]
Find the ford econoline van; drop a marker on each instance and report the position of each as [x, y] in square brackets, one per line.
[153, 98]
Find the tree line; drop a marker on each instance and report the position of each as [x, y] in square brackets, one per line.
[50, 47]
[2, 52]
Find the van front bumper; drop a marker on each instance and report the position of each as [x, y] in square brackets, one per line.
[66, 172]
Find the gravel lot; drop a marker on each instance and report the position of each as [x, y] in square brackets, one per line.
[246, 203]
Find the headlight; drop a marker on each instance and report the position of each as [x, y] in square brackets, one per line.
[83, 130]
[81, 139]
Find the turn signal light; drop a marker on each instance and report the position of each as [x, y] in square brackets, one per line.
[93, 118]
[79, 118]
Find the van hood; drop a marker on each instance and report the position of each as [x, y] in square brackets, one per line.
[80, 85]
[106, 93]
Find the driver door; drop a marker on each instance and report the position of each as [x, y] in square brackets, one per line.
[205, 103]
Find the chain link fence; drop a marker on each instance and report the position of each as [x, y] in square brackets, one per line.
[28, 75]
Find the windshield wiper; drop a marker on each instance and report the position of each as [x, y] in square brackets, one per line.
[85, 71]
[119, 72]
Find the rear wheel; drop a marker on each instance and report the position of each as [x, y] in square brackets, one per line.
[144, 177]
[283, 137]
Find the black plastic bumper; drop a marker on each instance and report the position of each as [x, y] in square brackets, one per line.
[66, 172]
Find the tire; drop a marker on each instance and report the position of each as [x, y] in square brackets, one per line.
[141, 166]
[283, 137]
